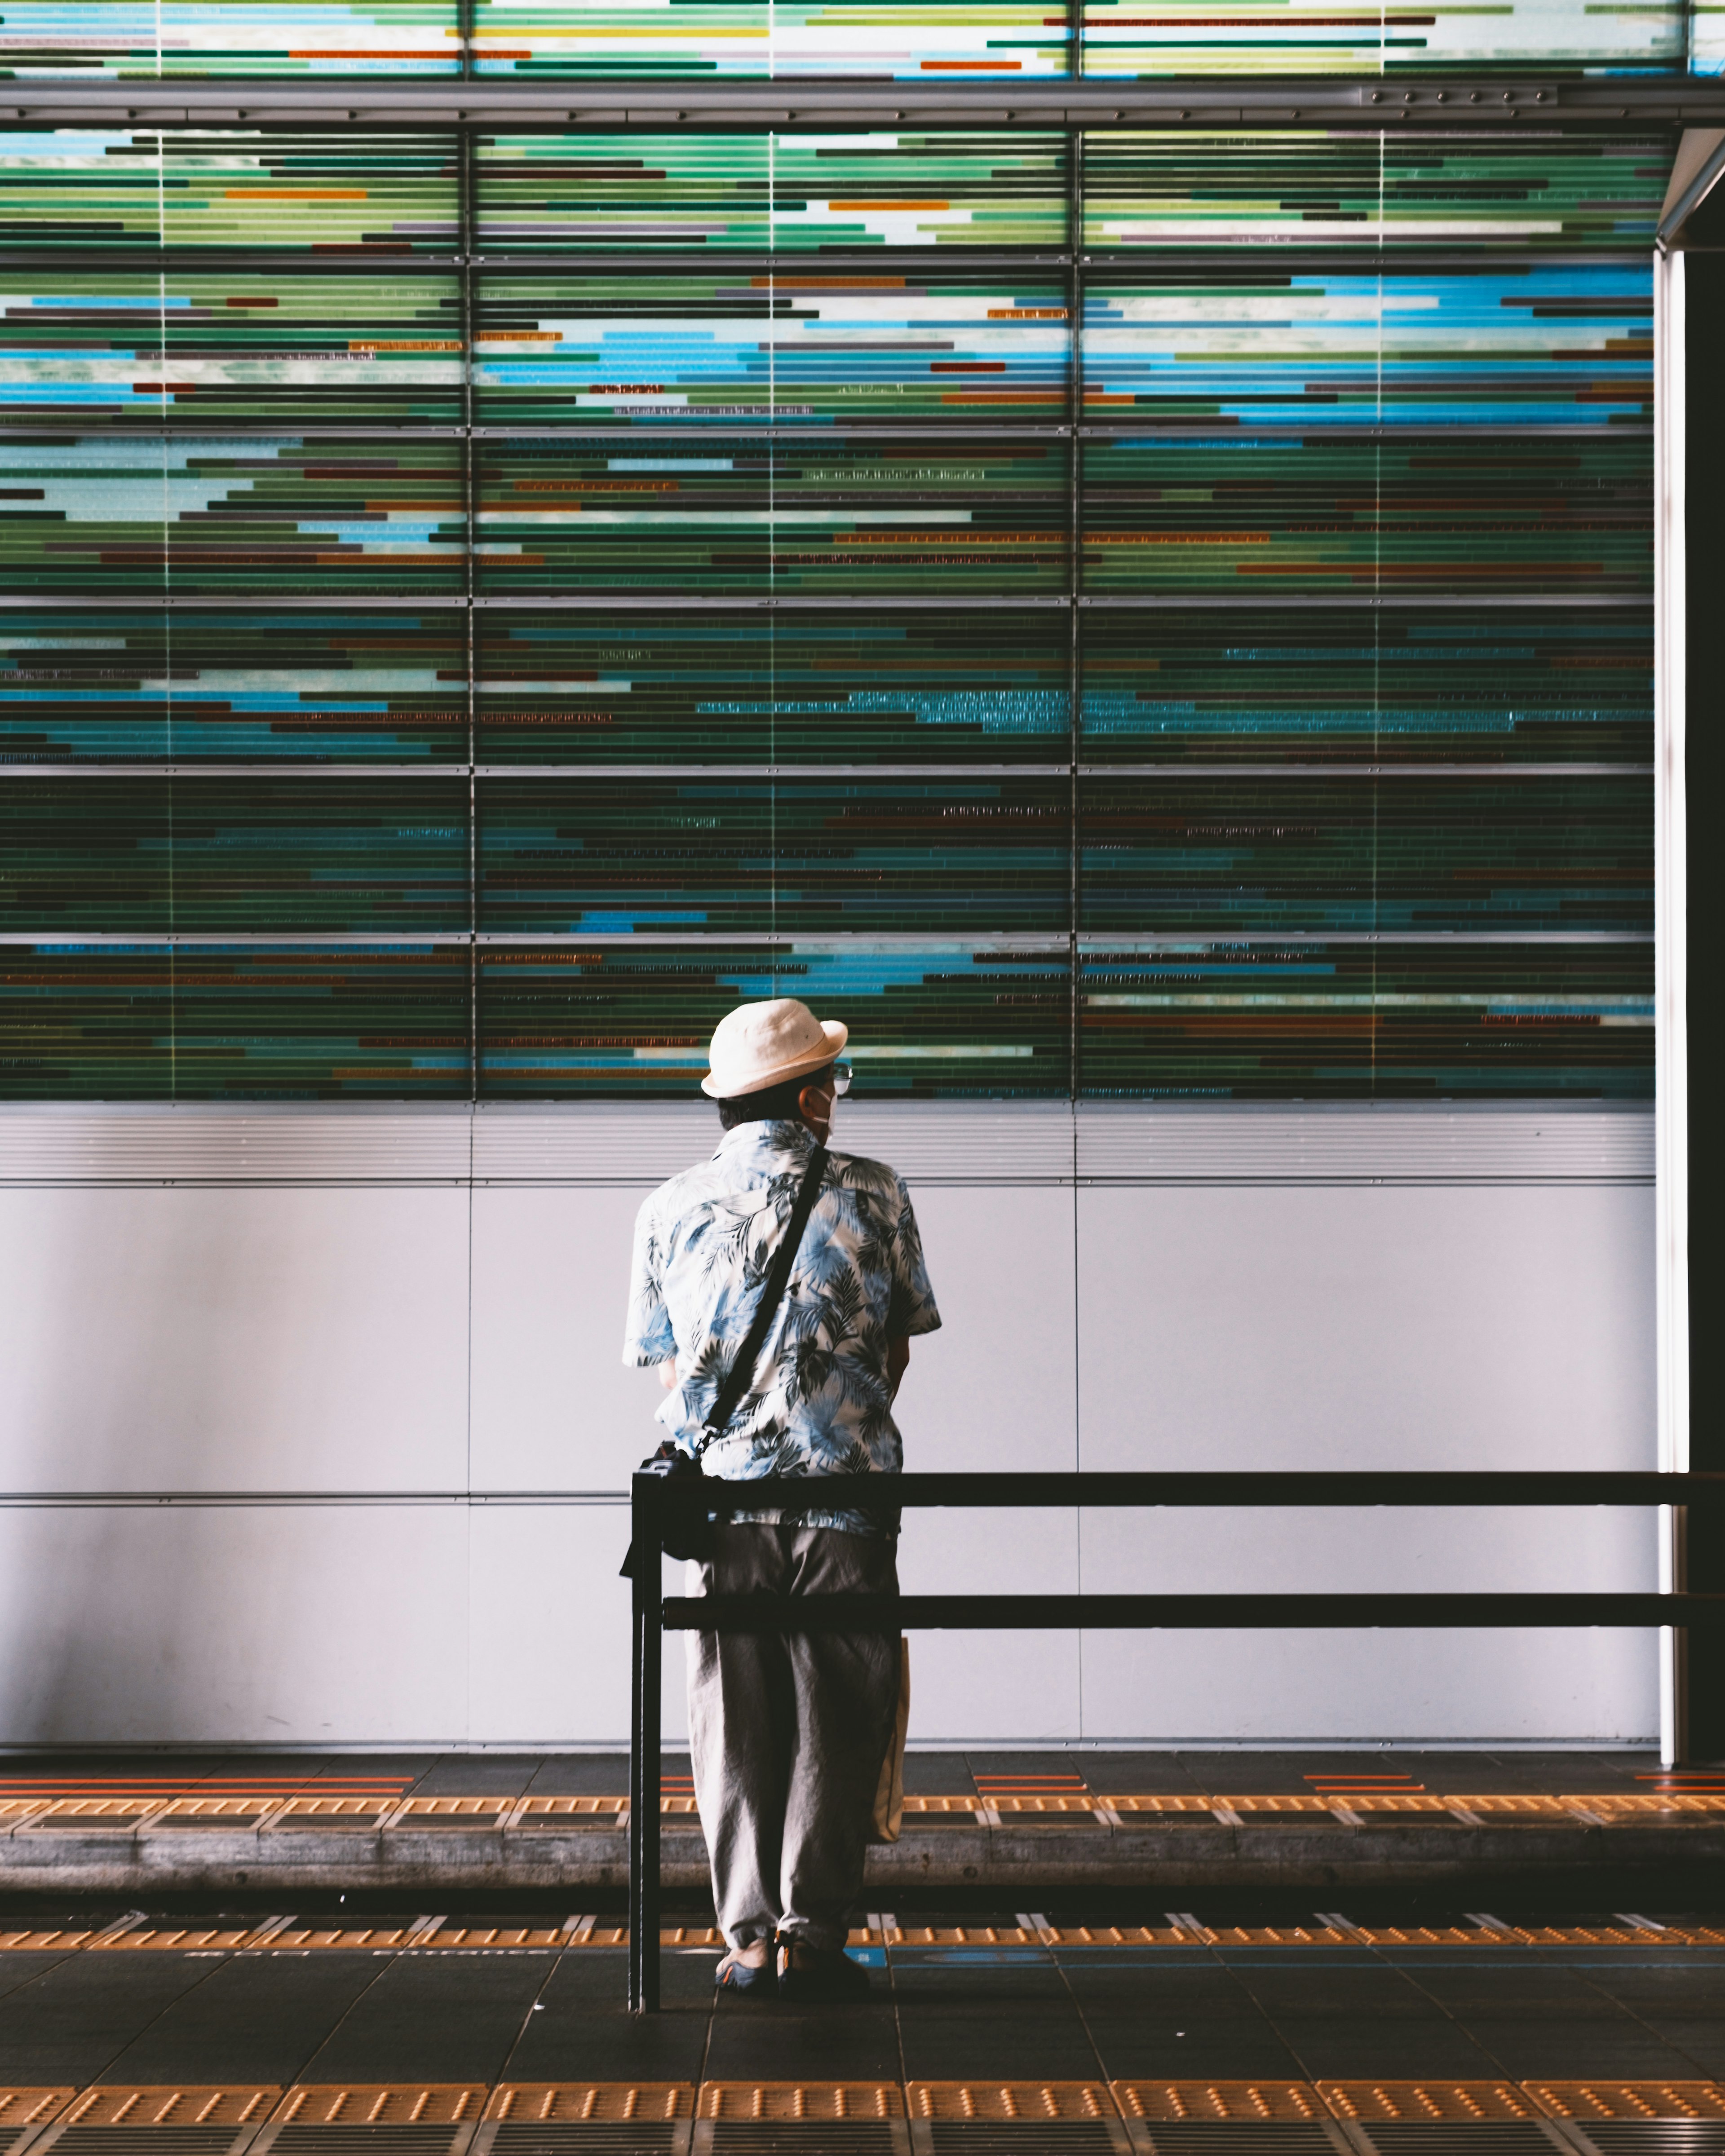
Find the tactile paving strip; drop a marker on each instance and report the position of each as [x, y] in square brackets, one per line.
[539, 2103]
[1015, 2102]
[1602, 2101]
[25, 2110]
[366, 2119]
[1428, 2102]
[1218, 2103]
[732, 2101]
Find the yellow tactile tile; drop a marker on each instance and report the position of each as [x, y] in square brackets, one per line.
[382, 2104]
[69, 1813]
[1026, 2100]
[22, 2109]
[43, 1942]
[544, 2103]
[1217, 2102]
[1607, 2100]
[1427, 2102]
[173, 2106]
[551, 1812]
[792, 2100]
[452, 1812]
[199, 1812]
[350, 1813]
[1118, 1935]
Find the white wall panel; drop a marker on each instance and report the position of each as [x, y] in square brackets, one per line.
[553, 1406]
[1391, 1328]
[236, 1338]
[248, 1625]
[550, 1626]
[996, 1387]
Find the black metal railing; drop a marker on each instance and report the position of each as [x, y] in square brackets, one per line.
[659, 1503]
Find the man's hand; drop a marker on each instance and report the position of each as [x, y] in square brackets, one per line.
[668, 1371]
[898, 1357]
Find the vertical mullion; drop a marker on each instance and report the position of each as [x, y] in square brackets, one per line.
[1075, 574]
[465, 196]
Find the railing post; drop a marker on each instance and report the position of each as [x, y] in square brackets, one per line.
[648, 1643]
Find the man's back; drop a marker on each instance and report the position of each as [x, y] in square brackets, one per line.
[704, 1242]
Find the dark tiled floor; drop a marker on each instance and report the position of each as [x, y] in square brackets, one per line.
[1069, 2013]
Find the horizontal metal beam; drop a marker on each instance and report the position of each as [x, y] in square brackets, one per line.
[1348, 101]
[1202, 1487]
[1067, 1613]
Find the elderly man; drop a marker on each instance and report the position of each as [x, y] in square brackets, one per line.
[789, 1731]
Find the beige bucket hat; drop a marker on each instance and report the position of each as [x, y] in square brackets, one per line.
[761, 1044]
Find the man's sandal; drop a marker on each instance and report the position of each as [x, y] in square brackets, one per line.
[734, 1974]
[820, 1975]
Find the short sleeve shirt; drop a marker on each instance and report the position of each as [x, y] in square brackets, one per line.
[704, 1241]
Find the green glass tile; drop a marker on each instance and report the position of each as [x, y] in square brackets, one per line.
[903, 40]
[1269, 515]
[1130, 40]
[924, 686]
[1171, 189]
[67, 190]
[739, 514]
[539, 194]
[156, 349]
[1248, 854]
[1273, 339]
[147, 40]
[608, 855]
[82, 686]
[920, 190]
[1317, 1021]
[1383, 685]
[85, 515]
[125, 1022]
[750, 347]
[212, 856]
[632, 1021]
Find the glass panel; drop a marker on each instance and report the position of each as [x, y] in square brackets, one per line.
[904, 189]
[1530, 685]
[77, 687]
[1534, 514]
[1706, 37]
[572, 516]
[941, 1022]
[865, 516]
[918, 40]
[607, 856]
[921, 686]
[1124, 37]
[1177, 189]
[746, 348]
[69, 189]
[215, 855]
[726, 514]
[968, 189]
[124, 40]
[1249, 855]
[1357, 1021]
[556, 40]
[138, 346]
[1262, 342]
[248, 515]
[538, 193]
[119, 1022]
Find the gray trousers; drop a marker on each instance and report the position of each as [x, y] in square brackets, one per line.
[787, 1733]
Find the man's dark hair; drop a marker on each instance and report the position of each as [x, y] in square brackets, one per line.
[773, 1104]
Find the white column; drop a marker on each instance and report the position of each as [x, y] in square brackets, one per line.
[1671, 1034]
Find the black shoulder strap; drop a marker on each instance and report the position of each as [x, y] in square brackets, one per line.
[743, 1367]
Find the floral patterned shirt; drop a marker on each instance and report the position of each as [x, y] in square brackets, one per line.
[705, 1242]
